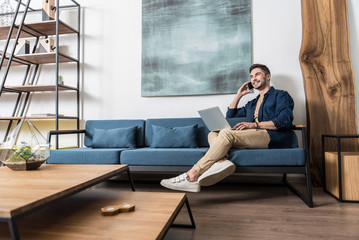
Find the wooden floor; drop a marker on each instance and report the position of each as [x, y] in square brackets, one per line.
[260, 211]
[238, 209]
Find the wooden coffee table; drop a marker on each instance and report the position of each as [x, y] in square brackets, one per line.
[79, 217]
[24, 191]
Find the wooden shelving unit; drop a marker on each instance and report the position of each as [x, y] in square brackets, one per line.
[39, 117]
[38, 58]
[340, 168]
[37, 31]
[37, 88]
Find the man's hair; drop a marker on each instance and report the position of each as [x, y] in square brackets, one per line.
[261, 66]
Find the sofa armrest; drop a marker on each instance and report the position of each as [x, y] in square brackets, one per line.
[303, 129]
[299, 127]
[61, 132]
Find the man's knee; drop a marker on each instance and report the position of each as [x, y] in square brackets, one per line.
[212, 134]
[227, 135]
[226, 131]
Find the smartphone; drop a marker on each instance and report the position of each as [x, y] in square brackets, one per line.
[249, 86]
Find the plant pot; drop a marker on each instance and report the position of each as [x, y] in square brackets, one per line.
[25, 157]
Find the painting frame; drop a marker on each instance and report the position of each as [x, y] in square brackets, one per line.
[197, 47]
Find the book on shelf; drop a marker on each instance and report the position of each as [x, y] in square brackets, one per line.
[46, 114]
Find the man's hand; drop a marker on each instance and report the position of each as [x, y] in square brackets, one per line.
[240, 93]
[244, 89]
[245, 125]
[269, 125]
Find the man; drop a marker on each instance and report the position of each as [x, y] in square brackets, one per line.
[272, 115]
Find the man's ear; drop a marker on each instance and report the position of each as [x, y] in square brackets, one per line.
[268, 77]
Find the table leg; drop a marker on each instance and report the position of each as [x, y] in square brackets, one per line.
[130, 178]
[190, 214]
[13, 229]
[192, 225]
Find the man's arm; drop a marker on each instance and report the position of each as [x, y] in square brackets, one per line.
[240, 93]
[269, 125]
[283, 116]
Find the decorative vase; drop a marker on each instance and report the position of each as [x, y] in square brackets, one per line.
[6, 13]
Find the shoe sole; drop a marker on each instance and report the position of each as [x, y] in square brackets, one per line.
[180, 189]
[216, 177]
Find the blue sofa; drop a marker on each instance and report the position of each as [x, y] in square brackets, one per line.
[175, 145]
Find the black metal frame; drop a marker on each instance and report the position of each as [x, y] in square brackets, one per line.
[192, 225]
[305, 170]
[29, 64]
[338, 137]
[12, 220]
[61, 132]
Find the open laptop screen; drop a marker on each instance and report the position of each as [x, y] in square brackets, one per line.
[214, 119]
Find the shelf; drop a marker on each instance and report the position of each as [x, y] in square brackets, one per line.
[43, 58]
[37, 117]
[349, 179]
[37, 29]
[38, 58]
[37, 88]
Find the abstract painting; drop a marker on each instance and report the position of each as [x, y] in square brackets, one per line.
[195, 47]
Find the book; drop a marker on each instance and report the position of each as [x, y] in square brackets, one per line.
[46, 114]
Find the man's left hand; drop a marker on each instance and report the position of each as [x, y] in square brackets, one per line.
[245, 125]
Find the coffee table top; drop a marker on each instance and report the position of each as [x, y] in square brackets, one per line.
[79, 216]
[21, 191]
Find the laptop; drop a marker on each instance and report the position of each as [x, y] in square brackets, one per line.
[214, 119]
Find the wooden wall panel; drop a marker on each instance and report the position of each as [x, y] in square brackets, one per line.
[328, 77]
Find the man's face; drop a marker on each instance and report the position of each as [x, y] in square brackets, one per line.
[258, 78]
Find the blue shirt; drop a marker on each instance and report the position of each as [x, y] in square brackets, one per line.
[277, 106]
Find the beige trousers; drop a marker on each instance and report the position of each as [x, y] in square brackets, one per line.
[221, 142]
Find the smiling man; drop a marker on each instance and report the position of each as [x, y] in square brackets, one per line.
[271, 114]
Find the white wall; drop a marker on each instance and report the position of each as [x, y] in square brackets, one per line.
[111, 61]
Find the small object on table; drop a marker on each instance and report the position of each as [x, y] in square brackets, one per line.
[112, 210]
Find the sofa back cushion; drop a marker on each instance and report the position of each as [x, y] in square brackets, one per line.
[114, 138]
[114, 124]
[174, 137]
[202, 130]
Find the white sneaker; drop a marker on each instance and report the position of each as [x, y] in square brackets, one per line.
[181, 183]
[217, 172]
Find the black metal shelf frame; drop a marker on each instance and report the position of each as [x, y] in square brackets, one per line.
[339, 151]
[22, 27]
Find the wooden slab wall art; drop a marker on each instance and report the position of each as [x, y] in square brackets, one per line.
[328, 78]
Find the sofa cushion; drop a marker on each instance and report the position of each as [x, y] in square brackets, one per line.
[268, 157]
[202, 130]
[111, 124]
[176, 137]
[85, 156]
[163, 156]
[114, 138]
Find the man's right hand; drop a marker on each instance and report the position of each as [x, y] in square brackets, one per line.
[240, 93]
[244, 89]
